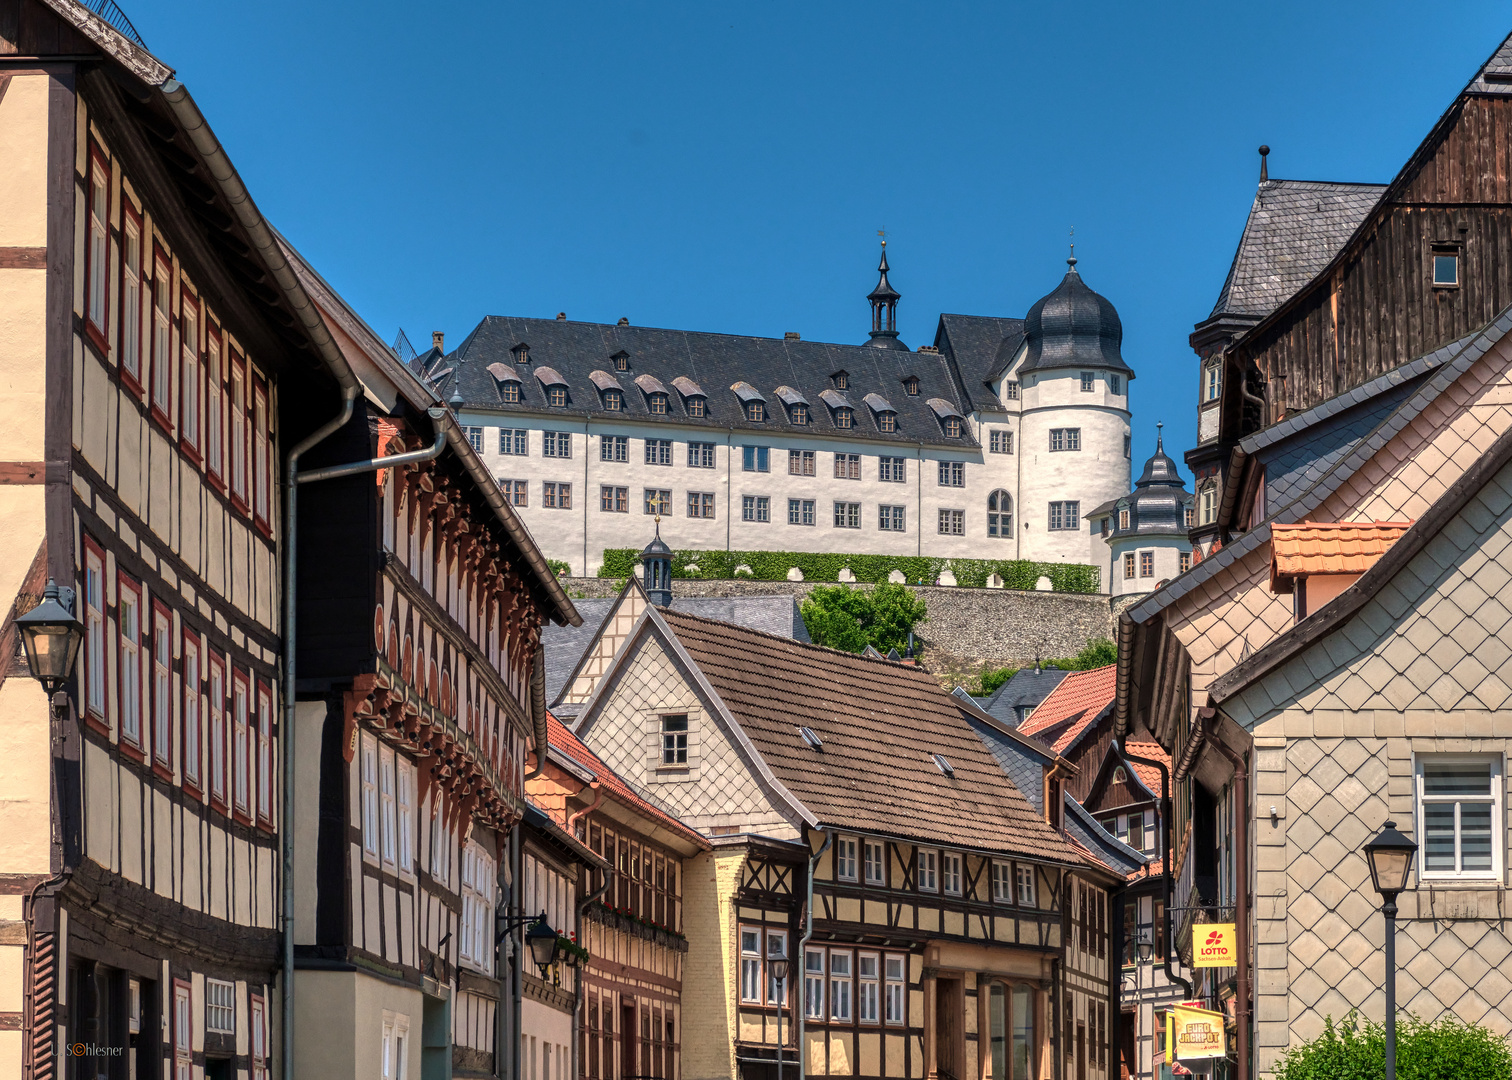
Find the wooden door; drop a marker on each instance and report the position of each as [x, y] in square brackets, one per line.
[627, 1040]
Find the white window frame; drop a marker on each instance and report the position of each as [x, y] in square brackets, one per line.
[162, 686]
[264, 752]
[895, 989]
[368, 779]
[927, 869]
[868, 987]
[1002, 882]
[1212, 382]
[813, 984]
[259, 1038]
[952, 875]
[841, 985]
[750, 965]
[406, 817]
[183, 1031]
[94, 633]
[193, 714]
[879, 864]
[215, 437]
[131, 294]
[1498, 817]
[1023, 876]
[440, 849]
[479, 891]
[218, 730]
[189, 383]
[388, 810]
[779, 939]
[845, 858]
[220, 1007]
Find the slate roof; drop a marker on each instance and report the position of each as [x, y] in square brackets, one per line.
[1072, 707]
[1025, 690]
[1347, 547]
[714, 362]
[1295, 227]
[614, 786]
[565, 645]
[980, 347]
[1073, 327]
[1100, 843]
[1499, 70]
[879, 722]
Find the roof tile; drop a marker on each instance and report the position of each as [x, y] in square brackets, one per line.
[1330, 548]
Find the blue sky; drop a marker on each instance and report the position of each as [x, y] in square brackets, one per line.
[726, 167]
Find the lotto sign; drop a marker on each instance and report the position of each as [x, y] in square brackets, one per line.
[1195, 1033]
[1213, 946]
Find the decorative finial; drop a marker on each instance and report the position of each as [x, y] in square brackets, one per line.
[1071, 261]
[656, 508]
[883, 234]
[1159, 437]
[1264, 172]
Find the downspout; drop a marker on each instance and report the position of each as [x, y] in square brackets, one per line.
[538, 712]
[729, 482]
[1166, 854]
[587, 446]
[1241, 902]
[919, 504]
[796, 962]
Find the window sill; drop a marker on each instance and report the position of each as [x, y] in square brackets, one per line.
[672, 769]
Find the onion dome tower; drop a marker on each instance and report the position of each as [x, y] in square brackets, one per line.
[657, 561]
[884, 308]
[1073, 327]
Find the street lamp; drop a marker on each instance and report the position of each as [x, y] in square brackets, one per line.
[777, 966]
[1146, 949]
[1390, 858]
[51, 636]
[540, 939]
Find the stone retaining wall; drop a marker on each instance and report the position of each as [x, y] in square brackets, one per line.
[968, 630]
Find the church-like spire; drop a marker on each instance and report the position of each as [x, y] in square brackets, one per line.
[884, 308]
[656, 560]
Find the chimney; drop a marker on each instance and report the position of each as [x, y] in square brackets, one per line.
[1264, 173]
[791, 335]
[561, 316]
[928, 349]
[438, 340]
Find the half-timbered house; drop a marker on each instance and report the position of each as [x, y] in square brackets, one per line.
[629, 1013]
[860, 829]
[420, 685]
[160, 367]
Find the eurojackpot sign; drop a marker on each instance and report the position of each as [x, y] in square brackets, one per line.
[1193, 1032]
[1213, 945]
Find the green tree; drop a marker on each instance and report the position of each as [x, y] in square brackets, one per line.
[1099, 652]
[851, 619]
[1442, 1049]
[989, 681]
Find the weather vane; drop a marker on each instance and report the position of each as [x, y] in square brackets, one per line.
[883, 234]
[1073, 241]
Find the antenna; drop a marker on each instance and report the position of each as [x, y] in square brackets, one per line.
[402, 347]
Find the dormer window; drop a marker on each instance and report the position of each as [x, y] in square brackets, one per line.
[621, 361]
[911, 386]
[614, 400]
[556, 397]
[952, 427]
[1123, 519]
[510, 393]
[798, 414]
[696, 406]
[844, 418]
[755, 412]
[521, 353]
[842, 380]
[887, 422]
[657, 403]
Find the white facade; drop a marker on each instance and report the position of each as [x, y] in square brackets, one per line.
[943, 494]
[1138, 564]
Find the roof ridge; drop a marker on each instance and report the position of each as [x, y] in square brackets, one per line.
[891, 665]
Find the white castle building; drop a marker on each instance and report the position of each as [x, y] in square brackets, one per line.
[994, 442]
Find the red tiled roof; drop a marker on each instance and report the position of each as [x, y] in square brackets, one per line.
[1148, 775]
[567, 743]
[879, 722]
[1149, 870]
[1076, 703]
[1342, 547]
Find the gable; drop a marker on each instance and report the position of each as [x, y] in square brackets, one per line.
[720, 786]
[1436, 637]
[595, 661]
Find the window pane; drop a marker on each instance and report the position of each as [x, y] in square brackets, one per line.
[1475, 835]
[1457, 778]
[1438, 836]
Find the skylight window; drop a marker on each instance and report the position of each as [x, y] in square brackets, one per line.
[943, 765]
[812, 739]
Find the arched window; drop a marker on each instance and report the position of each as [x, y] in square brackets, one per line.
[1000, 514]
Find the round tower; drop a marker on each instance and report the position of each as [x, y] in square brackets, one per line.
[1074, 428]
[1148, 528]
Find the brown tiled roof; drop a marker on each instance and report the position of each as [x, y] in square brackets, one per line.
[569, 744]
[1345, 547]
[1076, 703]
[1148, 775]
[879, 722]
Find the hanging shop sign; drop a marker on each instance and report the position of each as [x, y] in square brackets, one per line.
[1193, 1032]
[1213, 945]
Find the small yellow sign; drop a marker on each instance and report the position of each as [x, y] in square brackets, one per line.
[1214, 946]
[1198, 1033]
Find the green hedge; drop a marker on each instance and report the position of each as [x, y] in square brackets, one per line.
[825, 567]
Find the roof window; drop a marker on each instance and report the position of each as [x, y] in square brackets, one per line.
[911, 386]
[521, 353]
[812, 739]
[842, 380]
[621, 360]
[943, 765]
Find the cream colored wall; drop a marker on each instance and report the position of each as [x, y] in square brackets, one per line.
[309, 723]
[338, 1033]
[710, 973]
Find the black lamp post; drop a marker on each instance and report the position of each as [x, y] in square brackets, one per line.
[1390, 858]
[777, 965]
[51, 636]
[541, 939]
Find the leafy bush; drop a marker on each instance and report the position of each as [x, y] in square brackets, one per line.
[852, 619]
[1442, 1049]
[1099, 652]
[989, 681]
[558, 567]
[826, 566]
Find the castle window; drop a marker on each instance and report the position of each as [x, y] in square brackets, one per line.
[952, 473]
[911, 386]
[892, 470]
[798, 414]
[658, 451]
[1212, 382]
[621, 361]
[755, 411]
[1186, 561]
[1088, 380]
[1065, 515]
[658, 501]
[1123, 520]
[843, 418]
[847, 515]
[1128, 566]
[887, 422]
[521, 353]
[1000, 514]
[1114, 384]
[847, 466]
[952, 522]
[657, 403]
[1207, 503]
[1000, 441]
[1191, 517]
[1068, 438]
[509, 393]
[1128, 445]
[892, 519]
[755, 508]
[700, 504]
[475, 439]
[800, 511]
[1146, 564]
[800, 463]
[1011, 390]
[842, 380]
[696, 406]
[700, 455]
[556, 397]
[614, 400]
[614, 500]
[952, 427]
[556, 444]
[614, 448]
